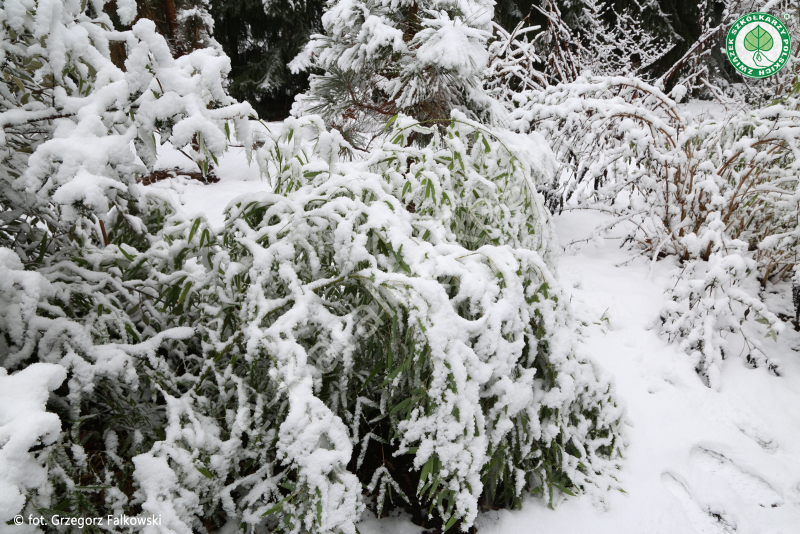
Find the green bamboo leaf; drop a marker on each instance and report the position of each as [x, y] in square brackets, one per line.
[400, 406]
[131, 332]
[424, 475]
[205, 472]
[758, 39]
[186, 289]
[273, 509]
[194, 228]
[389, 124]
[563, 489]
[277, 506]
[42, 250]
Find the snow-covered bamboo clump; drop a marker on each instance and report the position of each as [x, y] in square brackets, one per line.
[720, 195]
[71, 215]
[70, 113]
[411, 290]
[381, 58]
[239, 377]
[408, 288]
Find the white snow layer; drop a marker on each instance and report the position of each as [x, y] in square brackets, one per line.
[24, 423]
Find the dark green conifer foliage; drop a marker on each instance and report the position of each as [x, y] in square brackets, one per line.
[261, 38]
[508, 13]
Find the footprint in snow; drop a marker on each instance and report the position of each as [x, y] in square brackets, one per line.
[750, 486]
[703, 519]
[768, 444]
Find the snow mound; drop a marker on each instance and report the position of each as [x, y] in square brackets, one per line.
[24, 423]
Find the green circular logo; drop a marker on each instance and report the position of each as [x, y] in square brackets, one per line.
[758, 45]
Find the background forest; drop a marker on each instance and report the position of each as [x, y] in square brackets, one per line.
[261, 38]
[381, 326]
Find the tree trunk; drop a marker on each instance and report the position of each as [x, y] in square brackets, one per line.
[172, 26]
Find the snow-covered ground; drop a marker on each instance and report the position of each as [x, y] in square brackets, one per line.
[698, 461]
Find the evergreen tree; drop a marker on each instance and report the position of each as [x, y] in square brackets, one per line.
[195, 25]
[382, 58]
[261, 37]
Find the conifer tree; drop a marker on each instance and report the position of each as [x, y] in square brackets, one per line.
[261, 37]
[195, 25]
[379, 59]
